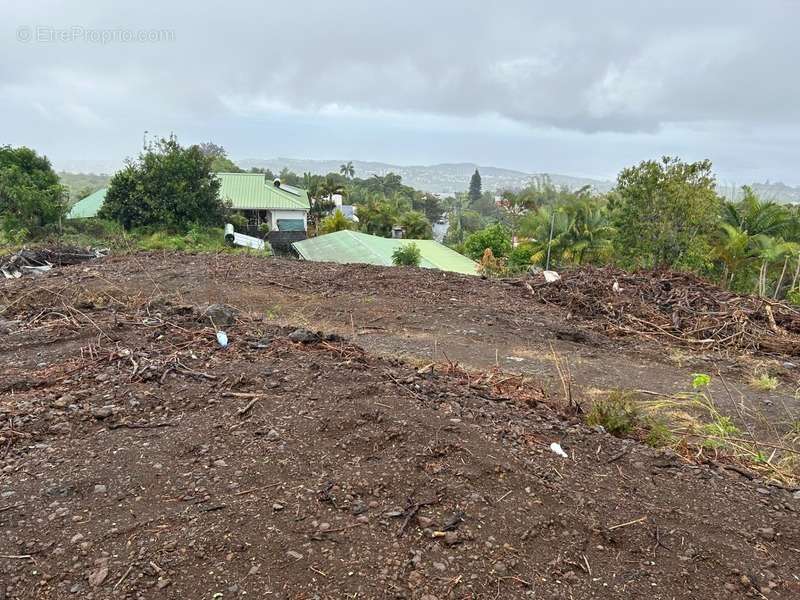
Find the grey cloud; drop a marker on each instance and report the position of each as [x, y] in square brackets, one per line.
[612, 66]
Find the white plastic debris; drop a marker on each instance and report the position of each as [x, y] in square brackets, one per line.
[551, 276]
[222, 338]
[616, 287]
[557, 449]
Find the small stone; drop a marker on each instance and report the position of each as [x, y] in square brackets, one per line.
[324, 526]
[303, 336]
[428, 597]
[451, 538]
[415, 579]
[273, 435]
[796, 495]
[221, 314]
[162, 583]
[440, 566]
[99, 489]
[500, 567]
[763, 491]
[767, 533]
[96, 578]
[295, 555]
[103, 412]
[220, 463]
[277, 506]
[76, 538]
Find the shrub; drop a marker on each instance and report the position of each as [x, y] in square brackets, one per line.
[618, 413]
[764, 382]
[335, 222]
[491, 266]
[407, 255]
[519, 260]
[496, 237]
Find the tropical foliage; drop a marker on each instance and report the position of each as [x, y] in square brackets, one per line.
[167, 186]
[31, 195]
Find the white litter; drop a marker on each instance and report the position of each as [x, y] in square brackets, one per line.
[551, 276]
[616, 287]
[557, 449]
[222, 338]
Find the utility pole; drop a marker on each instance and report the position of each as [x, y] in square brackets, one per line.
[550, 240]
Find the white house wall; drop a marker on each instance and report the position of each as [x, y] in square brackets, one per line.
[288, 214]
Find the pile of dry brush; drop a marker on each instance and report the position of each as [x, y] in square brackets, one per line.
[677, 307]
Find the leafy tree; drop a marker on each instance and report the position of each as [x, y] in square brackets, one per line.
[30, 192]
[220, 163]
[387, 185]
[407, 255]
[416, 225]
[475, 192]
[496, 237]
[662, 207]
[428, 204]
[348, 170]
[377, 217]
[167, 185]
[335, 222]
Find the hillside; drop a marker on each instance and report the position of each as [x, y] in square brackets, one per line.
[440, 178]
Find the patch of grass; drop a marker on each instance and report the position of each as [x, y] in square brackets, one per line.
[658, 433]
[618, 414]
[764, 382]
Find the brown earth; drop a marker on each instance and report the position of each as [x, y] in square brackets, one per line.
[138, 459]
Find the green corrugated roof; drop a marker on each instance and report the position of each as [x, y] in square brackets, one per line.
[355, 247]
[248, 191]
[89, 206]
[243, 190]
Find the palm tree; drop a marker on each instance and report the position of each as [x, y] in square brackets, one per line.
[770, 251]
[347, 169]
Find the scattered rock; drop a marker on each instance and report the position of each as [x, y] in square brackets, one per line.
[294, 554]
[303, 336]
[221, 315]
[162, 583]
[103, 412]
[277, 506]
[766, 533]
[100, 489]
[97, 577]
[273, 435]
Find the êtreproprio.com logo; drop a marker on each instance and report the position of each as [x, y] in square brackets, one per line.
[49, 34]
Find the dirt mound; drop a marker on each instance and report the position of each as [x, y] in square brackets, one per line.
[138, 459]
[678, 308]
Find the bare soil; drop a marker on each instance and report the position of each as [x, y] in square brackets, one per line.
[139, 459]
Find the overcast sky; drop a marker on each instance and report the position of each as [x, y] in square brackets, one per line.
[577, 87]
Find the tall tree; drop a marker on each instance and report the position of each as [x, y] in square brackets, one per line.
[347, 169]
[664, 210]
[30, 192]
[167, 185]
[475, 190]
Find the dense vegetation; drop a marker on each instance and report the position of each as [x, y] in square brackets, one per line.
[661, 213]
[168, 186]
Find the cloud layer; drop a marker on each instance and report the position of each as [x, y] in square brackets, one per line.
[720, 71]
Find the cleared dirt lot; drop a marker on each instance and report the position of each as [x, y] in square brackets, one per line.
[139, 459]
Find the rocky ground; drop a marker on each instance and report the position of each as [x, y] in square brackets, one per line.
[139, 459]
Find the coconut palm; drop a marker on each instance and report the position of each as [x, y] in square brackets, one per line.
[347, 169]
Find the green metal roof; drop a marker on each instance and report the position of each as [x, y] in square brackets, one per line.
[89, 206]
[355, 247]
[243, 190]
[249, 191]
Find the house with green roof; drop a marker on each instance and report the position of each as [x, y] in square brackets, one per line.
[89, 206]
[284, 208]
[355, 247]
